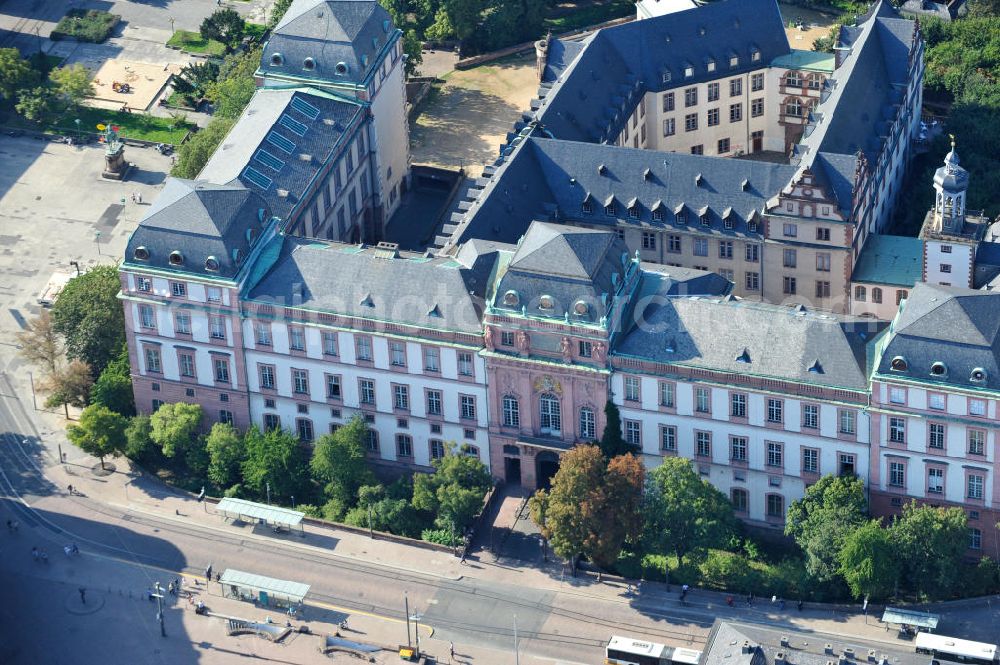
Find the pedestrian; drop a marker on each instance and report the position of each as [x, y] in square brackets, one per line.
[628, 589]
[133, 197]
[451, 648]
[774, 599]
[83, 595]
[139, 197]
[71, 490]
[218, 577]
[800, 606]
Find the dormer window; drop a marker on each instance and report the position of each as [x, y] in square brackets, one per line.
[978, 375]
[734, 61]
[729, 223]
[681, 217]
[899, 364]
[710, 65]
[212, 264]
[609, 209]
[141, 253]
[666, 76]
[546, 302]
[309, 64]
[176, 258]
[633, 211]
[706, 219]
[755, 54]
[511, 298]
[752, 227]
[277, 59]
[385, 25]
[341, 68]
[939, 369]
[580, 308]
[657, 213]
[688, 71]
[587, 208]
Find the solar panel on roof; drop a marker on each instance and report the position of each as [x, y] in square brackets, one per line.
[305, 108]
[256, 177]
[269, 160]
[280, 142]
[293, 125]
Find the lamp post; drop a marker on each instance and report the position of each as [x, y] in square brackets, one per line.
[269, 494]
[406, 605]
[416, 631]
[76, 264]
[97, 241]
[77, 121]
[517, 657]
[159, 608]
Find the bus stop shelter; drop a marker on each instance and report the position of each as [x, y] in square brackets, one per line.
[261, 513]
[267, 591]
[910, 621]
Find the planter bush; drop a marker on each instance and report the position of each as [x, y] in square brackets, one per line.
[85, 25]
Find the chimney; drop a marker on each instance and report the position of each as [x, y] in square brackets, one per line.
[784, 640]
[541, 55]
[779, 658]
[828, 649]
[871, 656]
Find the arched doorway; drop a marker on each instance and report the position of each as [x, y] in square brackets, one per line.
[546, 465]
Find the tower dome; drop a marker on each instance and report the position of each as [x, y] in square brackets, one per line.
[951, 182]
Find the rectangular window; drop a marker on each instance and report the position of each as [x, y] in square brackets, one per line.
[669, 127]
[822, 289]
[300, 381]
[690, 97]
[752, 281]
[401, 397]
[975, 539]
[725, 249]
[713, 92]
[266, 376]
[185, 362]
[468, 407]
[143, 284]
[775, 454]
[631, 389]
[432, 359]
[696, 150]
[506, 338]
[701, 246]
[897, 430]
[178, 289]
[775, 506]
[935, 480]
[723, 146]
[668, 102]
[217, 327]
[738, 449]
[329, 343]
[666, 394]
[977, 407]
[977, 441]
[810, 460]
[738, 405]
[847, 419]
[668, 438]
[296, 338]
[674, 244]
[397, 354]
[366, 390]
[371, 441]
[182, 323]
[935, 435]
[823, 262]
[691, 122]
[713, 117]
[648, 240]
[585, 349]
[271, 421]
[757, 107]
[897, 395]
[735, 87]
[740, 500]
[226, 416]
[222, 370]
[775, 408]
[703, 403]
[945, 267]
[703, 444]
[823, 234]
[363, 347]
[333, 390]
[975, 487]
[262, 332]
[464, 363]
[735, 112]
[404, 445]
[434, 403]
[146, 316]
[788, 285]
[810, 416]
[633, 433]
[789, 258]
[436, 448]
[897, 474]
[305, 429]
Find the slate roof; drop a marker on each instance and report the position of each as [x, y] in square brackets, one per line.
[568, 264]
[748, 338]
[548, 179]
[959, 327]
[352, 281]
[599, 89]
[285, 135]
[199, 220]
[894, 260]
[343, 39]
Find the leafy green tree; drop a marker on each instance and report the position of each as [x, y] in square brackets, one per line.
[175, 427]
[868, 561]
[684, 513]
[139, 438]
[16, 74]
[454, 492]
[930, 543]
[442, 28]
[276, 458]
[339, 463]
[69, 386]
[40, 343]
[225, 454]
[820, 521]
[612, 442]
[231, 96]
[195, 153]
[225, 26]
[619, 507]
[463, 16]
[90, 317]
[413, 48]
[278, 10]
[100, 432]
[72, 84]
[35, 104]
[379, 510]
[113, 387]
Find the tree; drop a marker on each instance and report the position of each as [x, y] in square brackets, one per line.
[930, 543]
[820, 521]
[684, 513]
[72, 84]
[194, 154]
[413, 48]
[226, 26]
[174, 427]
[339, 463]
[274, 458]
[612, 442]
[592, 506]
[40, 343]
[100, 432]
[868, 562]
[225, 454]
[113, 387]
[454, 492]
[90, 317]
[69, 386]
[16, 74]
[139, 438]
[231, 96]
[35, 104]
[278, 10]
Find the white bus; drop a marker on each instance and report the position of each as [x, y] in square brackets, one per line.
[952, 649]
[631, 651]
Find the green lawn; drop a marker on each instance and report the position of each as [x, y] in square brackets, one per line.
[192, 42]
[85, 25]
[133, 125]
[255, 30]
[584, 15]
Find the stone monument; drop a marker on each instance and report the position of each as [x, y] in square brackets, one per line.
[115, 166]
